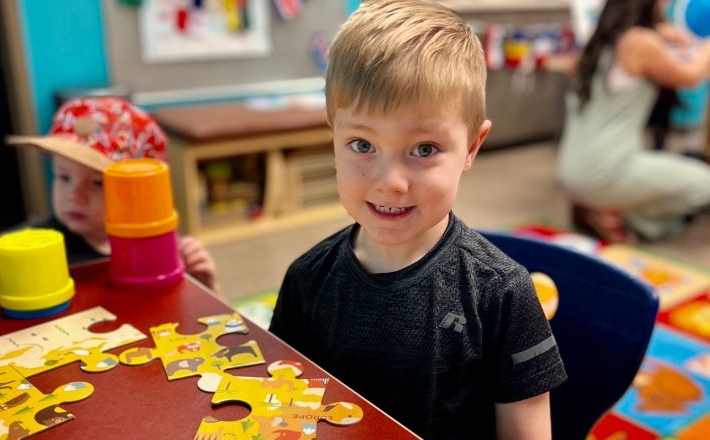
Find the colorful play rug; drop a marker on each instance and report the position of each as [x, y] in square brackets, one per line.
[670, 397]
[257, 307]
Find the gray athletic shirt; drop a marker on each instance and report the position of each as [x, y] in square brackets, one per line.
[434, 344]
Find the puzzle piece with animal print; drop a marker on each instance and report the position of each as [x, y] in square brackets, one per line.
[25, 411]
[282, 406]
[192, 355]
[64, 340]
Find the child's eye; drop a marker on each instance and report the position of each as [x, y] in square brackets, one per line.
[63, 177]
[360, 146]
[425, 150]
[98, 183]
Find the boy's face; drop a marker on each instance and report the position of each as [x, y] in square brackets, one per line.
[398, 173]
[78, 198]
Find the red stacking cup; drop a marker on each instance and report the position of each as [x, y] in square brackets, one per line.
[142, 226]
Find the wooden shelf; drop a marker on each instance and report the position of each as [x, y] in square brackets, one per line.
[299, 180]
[243, 230]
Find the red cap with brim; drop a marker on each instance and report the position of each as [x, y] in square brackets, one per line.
[98, 131]
[65, 147]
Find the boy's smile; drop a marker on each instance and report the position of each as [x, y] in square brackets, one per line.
[390, 212]
[398, 174]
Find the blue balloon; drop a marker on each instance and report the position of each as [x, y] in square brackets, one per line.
[693, 15]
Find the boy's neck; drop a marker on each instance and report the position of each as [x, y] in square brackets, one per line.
[377, 258]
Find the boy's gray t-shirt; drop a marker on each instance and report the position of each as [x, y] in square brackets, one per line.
[434, 344]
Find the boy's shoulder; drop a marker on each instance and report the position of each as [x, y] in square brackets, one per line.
[473, 245]
[324, 249]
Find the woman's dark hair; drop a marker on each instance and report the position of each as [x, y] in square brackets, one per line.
[616, 17]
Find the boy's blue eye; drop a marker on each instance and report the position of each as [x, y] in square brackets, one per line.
[360, 146]
[425, 150]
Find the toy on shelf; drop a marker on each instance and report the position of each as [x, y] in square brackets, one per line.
[233, 187]
[282, 406]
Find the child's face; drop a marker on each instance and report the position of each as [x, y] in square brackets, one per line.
[398, 173]
[78, 198]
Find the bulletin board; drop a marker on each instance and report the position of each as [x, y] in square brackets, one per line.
[180, 32]
[288, 57]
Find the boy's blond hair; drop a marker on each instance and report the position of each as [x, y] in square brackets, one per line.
[392, 54]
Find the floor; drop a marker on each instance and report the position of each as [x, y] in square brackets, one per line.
[505, 187]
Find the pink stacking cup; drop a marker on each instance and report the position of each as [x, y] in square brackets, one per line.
[142, 226]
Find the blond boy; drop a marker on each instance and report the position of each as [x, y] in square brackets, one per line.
[408, 306]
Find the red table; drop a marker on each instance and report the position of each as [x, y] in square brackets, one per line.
[138, 402]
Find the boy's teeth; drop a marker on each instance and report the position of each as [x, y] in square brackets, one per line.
[387, 210]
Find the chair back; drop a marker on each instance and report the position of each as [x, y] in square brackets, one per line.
[602, 326]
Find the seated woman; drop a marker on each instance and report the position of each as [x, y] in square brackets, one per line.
[622, 189]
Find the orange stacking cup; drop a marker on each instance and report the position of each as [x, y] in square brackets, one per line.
[139, 199]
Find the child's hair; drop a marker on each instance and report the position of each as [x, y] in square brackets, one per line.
[97, 131]
[395, 53]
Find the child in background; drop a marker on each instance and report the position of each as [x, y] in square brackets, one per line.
[86, 136]
[408, 306]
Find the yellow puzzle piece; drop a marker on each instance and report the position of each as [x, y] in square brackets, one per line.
[282, 406]
[191, 355]
[25, 411]
[64, 340]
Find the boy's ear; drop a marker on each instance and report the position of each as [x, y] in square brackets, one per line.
[477, 142]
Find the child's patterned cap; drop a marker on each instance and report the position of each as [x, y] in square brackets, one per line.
[113, 130]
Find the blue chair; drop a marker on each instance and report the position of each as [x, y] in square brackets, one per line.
[603, 325]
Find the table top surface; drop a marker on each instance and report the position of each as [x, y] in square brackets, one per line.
[208, 123]
[139, 402]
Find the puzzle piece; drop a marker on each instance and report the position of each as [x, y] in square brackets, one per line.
[282, 406]
[25, 411]
[191, 355]
[64, 340]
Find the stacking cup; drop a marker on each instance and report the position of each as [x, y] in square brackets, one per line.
[34, 273]
[141, 223]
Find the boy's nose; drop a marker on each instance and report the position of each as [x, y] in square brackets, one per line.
[392, 177]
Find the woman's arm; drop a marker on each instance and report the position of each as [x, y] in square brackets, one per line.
[527, 419]
[643, 52]
[672, 34]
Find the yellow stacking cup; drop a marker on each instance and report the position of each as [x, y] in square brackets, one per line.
[139, 199]
[34, 273]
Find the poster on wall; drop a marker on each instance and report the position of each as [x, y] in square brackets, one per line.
[179, 30]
